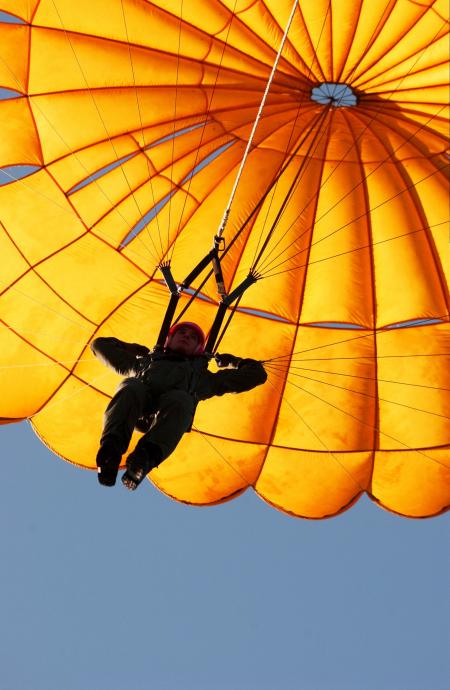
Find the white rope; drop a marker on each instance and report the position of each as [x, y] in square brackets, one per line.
[255, 124]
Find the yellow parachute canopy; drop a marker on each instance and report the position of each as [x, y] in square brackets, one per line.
[124, 124]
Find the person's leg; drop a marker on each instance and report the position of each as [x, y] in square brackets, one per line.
[175, 412]
[121, 415]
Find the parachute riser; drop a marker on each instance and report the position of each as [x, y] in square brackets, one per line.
[169, 279]
[226, 302]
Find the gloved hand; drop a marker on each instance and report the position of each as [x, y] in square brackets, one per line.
[137, 350]
[226, 360]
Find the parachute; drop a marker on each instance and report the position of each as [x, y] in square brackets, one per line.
[124, 126]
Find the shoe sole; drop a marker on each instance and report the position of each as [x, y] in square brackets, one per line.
[132, 479]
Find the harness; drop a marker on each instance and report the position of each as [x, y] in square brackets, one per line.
[226, 300]
[199, 365]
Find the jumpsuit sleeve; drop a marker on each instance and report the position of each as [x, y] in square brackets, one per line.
[248, 375]
[118, 355]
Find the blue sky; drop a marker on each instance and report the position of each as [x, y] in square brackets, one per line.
[102, 589]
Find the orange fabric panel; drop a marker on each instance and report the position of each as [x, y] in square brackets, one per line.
[14, 53]
[414, 482]
[313, 485]
[19, 143]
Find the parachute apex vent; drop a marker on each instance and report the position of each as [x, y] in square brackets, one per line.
[339, 95]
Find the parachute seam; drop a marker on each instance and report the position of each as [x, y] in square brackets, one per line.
[106, 239]
[149, 171]
[334, 359]
[411, 517]
[227, 462]
[176, 187]
[339, 76]
[410, 189]
[273, 187]
[309, 450]
[298, 146]
[228, 497]
[355, 376]
[73, 375]
[330, 453]
[315, 140]
[207, 114]
[287, 63]
[339, 342]
[315, 59]
[45, 406]
[241, 229]
[174, 122]
[169, 249]
[410, 73]
[100, 39]
[415, 450]
[405, 121]
[35, 11]
[421, 50]
[285, 378]
[330, 40]
[52, 450]
[407, 89]
[202, 33]
[343, 508]
[369, 227]
[74, 155]
[374, 38]
[91, 94]
[33, 346]
[367, 395]
[32, 269]
[342, 227]
[366, 127]
[85, 345]
[29, 108]
[419, 53]
[350, 251]
[355, 187]
[247, 28]
[306, 159]
[112, 207]
[378, 29]
[160, 173]
[256, 122]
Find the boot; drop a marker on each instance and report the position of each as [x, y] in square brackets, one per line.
[108, 461]
[144, 458]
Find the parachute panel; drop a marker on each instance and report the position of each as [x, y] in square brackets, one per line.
[313, 484]
[414, 386]
[329, 394]
[208, 470]
[14, 42]
[412, 482]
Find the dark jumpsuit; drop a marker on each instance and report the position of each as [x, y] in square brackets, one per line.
[169, 387]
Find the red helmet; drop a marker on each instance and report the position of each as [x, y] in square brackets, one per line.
[194, 327]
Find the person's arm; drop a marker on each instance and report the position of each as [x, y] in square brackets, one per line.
[118, 355]
[245, 375]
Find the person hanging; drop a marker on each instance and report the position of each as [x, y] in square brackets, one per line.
[159, 396]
